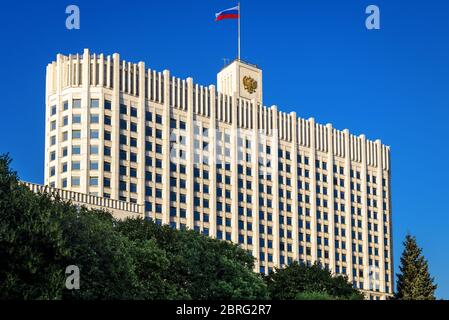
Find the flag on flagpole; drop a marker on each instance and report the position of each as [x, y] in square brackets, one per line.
[231, 13]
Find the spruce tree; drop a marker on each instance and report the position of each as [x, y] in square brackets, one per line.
[414, 281]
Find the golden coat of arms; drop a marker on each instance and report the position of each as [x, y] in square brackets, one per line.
[249, 84]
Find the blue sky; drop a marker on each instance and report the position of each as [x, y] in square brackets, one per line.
[317, 57]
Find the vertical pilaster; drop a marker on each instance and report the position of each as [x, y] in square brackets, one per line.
[49, 91]
[102, 125]
[234, 168]
[312, 166]
[295, 190]
[141, 137]
[348, 217]
[85, 116]
[366, 266]
[380, 216]
[255, 183]
[331, 200]
[115, 152]
[212, 164]
[390, 210]
[166, 150]
[275, 181]
[58, 118]
[190, 125]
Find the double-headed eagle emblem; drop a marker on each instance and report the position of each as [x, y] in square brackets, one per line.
[250, 84]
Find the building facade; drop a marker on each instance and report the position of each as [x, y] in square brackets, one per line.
[216, 160]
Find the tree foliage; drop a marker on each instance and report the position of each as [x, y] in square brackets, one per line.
[299, 281]
[414, 281]
[40, 236]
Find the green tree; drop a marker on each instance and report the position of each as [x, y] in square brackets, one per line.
[299, 281]
[200, 267]
[414, 281]
[31, 242]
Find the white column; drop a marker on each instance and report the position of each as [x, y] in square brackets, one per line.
[234, 169]
[115, 152]
[295, 190]
[166, 150]
[85, 116]
[275, 181]
[366, 266]
[330, 196]
[141, 137]
[190, 126]
[255, 183]
[313, 190]
[212, 165]
[348, 217]
[58, 118]
[380, 216]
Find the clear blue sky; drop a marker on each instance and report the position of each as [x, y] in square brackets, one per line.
[317, 57]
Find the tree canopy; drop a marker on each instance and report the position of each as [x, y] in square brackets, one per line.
[41, 235]
[299, 281]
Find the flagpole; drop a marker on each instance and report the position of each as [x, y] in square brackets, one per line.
[239, 34]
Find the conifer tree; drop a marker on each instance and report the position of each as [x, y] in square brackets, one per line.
[414, 281]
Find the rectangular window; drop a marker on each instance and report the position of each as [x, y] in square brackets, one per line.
[53, 125]
[93, 149]
[123, 124]
[107, 105]
[65, 105]
[107, 120]
[76, 134]
[65, 121]
[76, 150]
[107, 166]
[76, 103]
[76, 165]
[123, 155]
[53, 110]
[94, 118]
[94, 165]
[123, 109]
[76, 118]
[133, 112]
[94, 134]
[53, 140]
[94, 103]
[93, 181]
[75, 181]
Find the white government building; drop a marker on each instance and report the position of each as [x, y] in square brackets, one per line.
[139, 142]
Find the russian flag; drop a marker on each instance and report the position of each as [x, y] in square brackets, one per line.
[231, 13]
